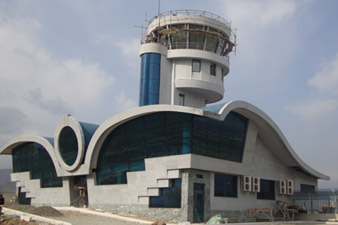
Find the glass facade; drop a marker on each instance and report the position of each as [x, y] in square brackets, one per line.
[150, 79]
[164, 134]
[34, 158]
[169, 197]
[68, 145]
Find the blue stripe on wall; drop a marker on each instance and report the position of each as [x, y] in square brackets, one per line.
[150, 79]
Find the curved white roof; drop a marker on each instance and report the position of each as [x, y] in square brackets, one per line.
[268, 131]
[8, 148]
[272, 136]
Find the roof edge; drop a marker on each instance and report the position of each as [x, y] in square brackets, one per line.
[242, 105]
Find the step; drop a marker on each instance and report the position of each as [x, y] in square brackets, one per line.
[143, 200]
[153, 191]
[174, 174]
[163, 183]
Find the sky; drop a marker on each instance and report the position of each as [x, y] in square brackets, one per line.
[81, 57]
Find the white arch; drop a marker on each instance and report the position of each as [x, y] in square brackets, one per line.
[272, 135]
[69, 121]
[8, 148]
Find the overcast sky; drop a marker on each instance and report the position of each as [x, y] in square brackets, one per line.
[81, 58]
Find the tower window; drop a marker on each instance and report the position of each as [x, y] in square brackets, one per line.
[181, 99]
[196, 65]
[213, 69]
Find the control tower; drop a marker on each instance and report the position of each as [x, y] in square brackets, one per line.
[184, 58]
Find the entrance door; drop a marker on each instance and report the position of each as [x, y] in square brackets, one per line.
[79, 194]
[198, 206]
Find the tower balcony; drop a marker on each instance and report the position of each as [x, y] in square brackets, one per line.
[212, 92]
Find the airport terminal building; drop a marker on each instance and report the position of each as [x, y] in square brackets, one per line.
[173, 157]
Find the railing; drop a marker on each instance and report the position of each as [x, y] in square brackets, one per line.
[190, 12]
[317, 202]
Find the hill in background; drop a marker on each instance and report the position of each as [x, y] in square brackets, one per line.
[6, 186]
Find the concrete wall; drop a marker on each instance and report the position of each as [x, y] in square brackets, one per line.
[165, 81]
[134, 196]
[196, 86]
[58, 196]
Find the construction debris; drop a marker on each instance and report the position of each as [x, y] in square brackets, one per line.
[217, 219]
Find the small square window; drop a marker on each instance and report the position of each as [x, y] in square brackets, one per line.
[213, 69]
[196, 66]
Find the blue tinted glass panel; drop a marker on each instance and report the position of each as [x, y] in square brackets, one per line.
[164, 134]
[150, 79]
[169, 197]
[68, 145]
[34, 158]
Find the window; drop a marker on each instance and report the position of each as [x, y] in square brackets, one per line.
[225, 185]
[181, 99]
[150, 79]
[213, 69]
[164, 134]
[68, 145]
[196, 65]
[169, 197]
[306, 188]
[34, 158]
[179, 39]
[22, 199]
[196, 37]
[212, 40]
[267, 190]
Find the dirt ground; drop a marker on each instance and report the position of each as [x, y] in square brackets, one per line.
[15, 221]
[46, 211]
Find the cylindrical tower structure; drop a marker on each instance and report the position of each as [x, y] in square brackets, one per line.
[185, 58]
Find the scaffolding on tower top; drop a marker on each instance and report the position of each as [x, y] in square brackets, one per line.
[191, 29]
